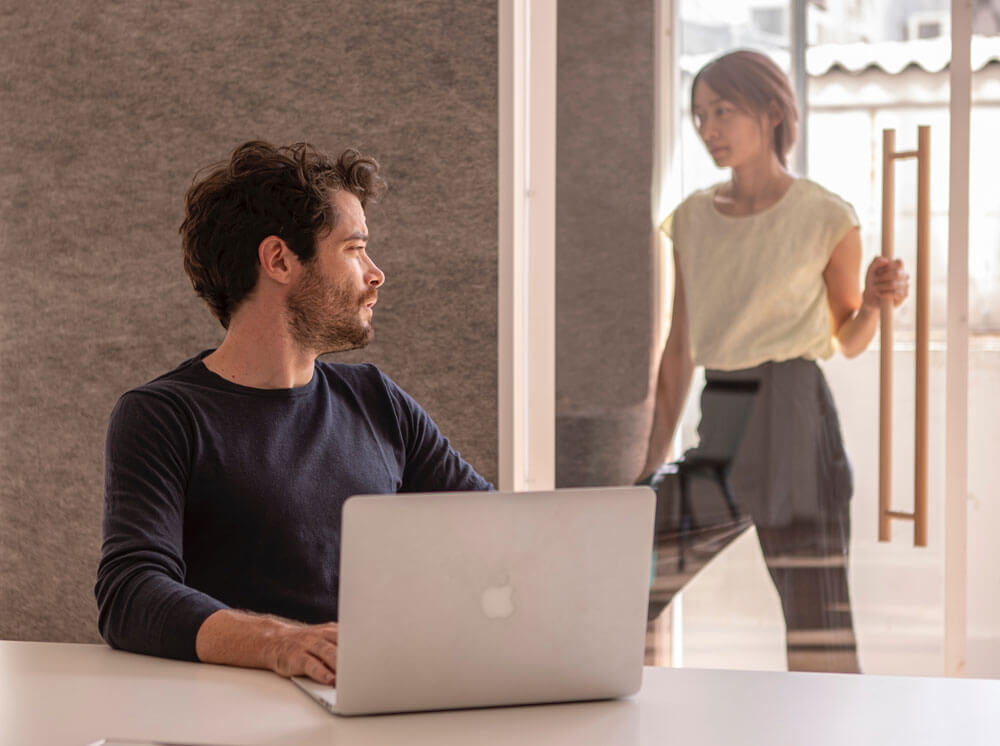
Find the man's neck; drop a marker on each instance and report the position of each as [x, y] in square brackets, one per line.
[260, 353]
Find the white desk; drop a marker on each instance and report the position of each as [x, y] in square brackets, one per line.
[54, 694]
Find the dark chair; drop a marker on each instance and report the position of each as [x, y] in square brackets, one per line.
[727, 405]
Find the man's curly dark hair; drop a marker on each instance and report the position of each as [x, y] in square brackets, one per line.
[264, 191]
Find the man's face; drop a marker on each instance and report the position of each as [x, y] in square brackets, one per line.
[330, 307]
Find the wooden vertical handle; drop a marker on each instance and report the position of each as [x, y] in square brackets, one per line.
[885, 367]
[923, 336]
[920, 424]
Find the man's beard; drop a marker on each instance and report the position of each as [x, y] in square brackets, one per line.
[325, 317]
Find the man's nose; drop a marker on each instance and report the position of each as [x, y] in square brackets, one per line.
[375, 276]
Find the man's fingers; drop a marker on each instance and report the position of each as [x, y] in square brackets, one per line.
[326, 652]
[318, 671]
[307, 651]
[329, 631]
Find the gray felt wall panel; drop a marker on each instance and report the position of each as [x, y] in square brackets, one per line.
[106, 110]
[604, 291]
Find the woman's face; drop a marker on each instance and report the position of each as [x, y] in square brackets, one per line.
[733, 136]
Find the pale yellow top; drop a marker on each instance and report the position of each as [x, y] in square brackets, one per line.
[754, 284]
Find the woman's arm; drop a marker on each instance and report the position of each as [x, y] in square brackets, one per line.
[855, 314]
[672, 383]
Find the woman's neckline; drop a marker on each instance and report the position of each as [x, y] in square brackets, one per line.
[784, 196]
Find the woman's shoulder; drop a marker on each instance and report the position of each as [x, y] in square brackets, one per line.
[819, 195]
[821, 212]
[694, 206]
[699, 198]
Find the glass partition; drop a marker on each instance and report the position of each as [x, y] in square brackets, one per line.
[849, 602]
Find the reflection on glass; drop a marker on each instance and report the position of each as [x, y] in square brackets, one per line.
[769, 435]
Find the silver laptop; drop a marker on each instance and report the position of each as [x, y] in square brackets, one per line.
[479, 599]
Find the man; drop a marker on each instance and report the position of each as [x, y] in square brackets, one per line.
[225, 478]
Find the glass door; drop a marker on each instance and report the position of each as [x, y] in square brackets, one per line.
[866, 66]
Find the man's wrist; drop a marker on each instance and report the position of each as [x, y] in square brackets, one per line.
[241, 638]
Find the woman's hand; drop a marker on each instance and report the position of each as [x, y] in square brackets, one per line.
[884, 279]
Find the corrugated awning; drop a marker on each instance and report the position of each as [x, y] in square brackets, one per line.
[892, 57]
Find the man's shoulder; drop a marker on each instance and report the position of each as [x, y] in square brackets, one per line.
[188, 373]
[366, 383]
[170, 390]
[353, 375]
[187, 370]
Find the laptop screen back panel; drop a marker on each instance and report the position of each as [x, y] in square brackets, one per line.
[479, 599]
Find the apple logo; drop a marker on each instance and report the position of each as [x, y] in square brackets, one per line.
[498, 601]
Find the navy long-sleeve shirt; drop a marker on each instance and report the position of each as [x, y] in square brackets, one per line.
[218, 495]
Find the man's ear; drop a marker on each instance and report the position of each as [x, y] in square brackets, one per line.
[276, 259]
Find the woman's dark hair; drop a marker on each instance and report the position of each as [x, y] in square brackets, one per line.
[264, 191]
[754, 83]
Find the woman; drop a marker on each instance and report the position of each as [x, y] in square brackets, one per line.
[767, 282]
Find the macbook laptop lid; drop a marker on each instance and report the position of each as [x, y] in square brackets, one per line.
[473, 599]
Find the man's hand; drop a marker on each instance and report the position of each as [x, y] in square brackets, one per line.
[239, 638]
[305, 650]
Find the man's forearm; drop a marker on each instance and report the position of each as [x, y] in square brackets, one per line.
[237, 638]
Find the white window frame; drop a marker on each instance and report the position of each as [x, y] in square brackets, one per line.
[526, 238]
[957, 362]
